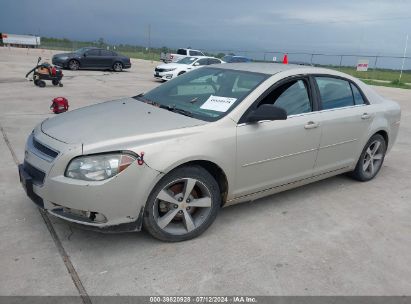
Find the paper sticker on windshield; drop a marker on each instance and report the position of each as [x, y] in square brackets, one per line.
[218, 103]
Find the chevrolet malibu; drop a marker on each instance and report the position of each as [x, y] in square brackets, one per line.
[169, 159]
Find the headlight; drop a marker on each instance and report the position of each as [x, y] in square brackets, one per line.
[169, 70]
[98, 167]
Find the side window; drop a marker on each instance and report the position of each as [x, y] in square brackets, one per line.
[182, 52]
[291, 96]
[106, 53]
[203, 61]
[334, 92]
[93, 53]
[358, 100]
[195, 53]
[214, 61]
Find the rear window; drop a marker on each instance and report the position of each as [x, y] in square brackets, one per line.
[182, 52]
[196, 53]
[357, 95]
[334, 92]
[106, 53]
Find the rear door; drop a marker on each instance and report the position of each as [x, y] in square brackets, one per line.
[345, 119]
[106, 59]
[274, 153]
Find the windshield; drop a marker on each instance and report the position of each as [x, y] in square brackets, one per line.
[187, 60]
[207, 93]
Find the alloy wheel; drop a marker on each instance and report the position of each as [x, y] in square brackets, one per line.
[182, 206]
[73, 65]
[373, 158]
[118, 67]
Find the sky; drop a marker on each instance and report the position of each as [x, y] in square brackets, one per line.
[334, 27]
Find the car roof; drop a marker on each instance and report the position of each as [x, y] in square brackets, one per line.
[200, 57]
[271, 68]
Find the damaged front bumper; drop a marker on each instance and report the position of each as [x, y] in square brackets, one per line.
[112, 205]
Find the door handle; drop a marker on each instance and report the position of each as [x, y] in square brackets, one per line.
[365, 116]
[311, 125]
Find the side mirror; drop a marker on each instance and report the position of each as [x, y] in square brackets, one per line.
[267, 112]
[196, 64]
[85, 55]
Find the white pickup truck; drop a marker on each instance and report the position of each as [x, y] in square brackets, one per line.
[182, 53]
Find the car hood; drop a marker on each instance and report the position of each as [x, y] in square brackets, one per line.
[171, 66]
[116, 120]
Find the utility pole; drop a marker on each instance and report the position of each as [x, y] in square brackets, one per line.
[403, 58]
[149, 40]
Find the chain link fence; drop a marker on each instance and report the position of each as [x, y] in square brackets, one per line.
[380, 67]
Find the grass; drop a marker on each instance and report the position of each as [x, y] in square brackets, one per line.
[377, 74]
[142, 55]
[391, 84]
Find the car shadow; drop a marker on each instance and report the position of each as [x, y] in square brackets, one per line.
[232, 215]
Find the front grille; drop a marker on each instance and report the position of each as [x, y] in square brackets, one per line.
[36, 174]
[159, 70]
[43, 149]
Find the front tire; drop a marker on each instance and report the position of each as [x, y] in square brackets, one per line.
[182, 205]
[73, 65]
[371, 159]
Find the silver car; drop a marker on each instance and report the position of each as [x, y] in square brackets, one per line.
[169, 159]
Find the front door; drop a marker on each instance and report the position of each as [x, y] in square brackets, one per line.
[274, 153]
[91, 59]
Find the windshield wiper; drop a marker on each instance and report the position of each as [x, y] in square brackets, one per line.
[146, 100]
[177, 110]
[169, 108]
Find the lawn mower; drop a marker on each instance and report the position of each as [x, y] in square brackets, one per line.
[45, 71]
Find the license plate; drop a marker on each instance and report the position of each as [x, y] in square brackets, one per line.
[26, 181]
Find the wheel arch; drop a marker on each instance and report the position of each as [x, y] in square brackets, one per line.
[215, 170]
[384, 134]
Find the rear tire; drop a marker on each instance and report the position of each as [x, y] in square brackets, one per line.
[182, 205]
[117, 67]
[371, 159]
[55, 82]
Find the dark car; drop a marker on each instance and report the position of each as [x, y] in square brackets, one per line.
[233, 58]
[92, 58]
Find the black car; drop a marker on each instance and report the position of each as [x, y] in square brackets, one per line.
[92, 58]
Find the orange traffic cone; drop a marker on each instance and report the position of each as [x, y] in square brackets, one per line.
[285, 59]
